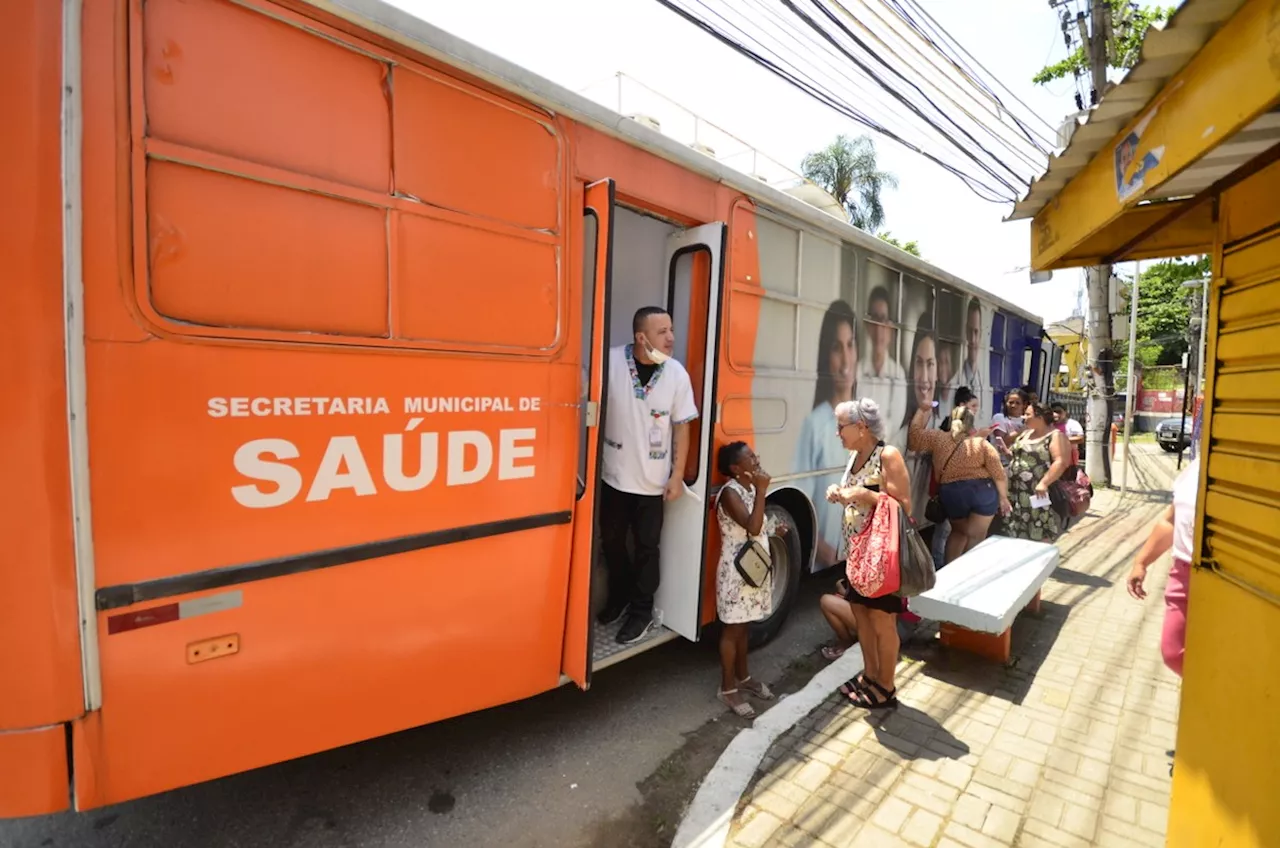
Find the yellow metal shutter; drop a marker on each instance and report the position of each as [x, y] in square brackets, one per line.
[1240, 510]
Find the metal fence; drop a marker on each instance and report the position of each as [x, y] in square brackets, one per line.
[1073, 401]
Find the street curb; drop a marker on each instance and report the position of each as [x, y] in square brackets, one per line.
[706, 823]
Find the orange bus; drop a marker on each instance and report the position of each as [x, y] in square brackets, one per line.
[306, 313]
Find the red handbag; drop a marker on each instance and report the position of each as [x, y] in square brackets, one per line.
[873, 564]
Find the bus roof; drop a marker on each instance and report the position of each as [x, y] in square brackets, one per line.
[395, 24]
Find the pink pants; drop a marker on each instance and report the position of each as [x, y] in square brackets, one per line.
[1173, 639]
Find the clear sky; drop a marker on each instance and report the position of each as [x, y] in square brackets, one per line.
[581, 43]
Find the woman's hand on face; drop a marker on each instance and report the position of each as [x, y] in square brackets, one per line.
[761, 479]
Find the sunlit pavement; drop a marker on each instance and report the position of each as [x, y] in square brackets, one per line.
[1067, 746]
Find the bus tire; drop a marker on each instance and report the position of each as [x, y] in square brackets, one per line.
[787, 568]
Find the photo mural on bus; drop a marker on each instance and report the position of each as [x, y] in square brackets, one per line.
[839, 323]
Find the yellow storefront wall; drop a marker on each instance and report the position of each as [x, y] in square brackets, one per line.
[1226, 786]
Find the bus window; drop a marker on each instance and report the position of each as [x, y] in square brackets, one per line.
[590, 234]
[688, 289]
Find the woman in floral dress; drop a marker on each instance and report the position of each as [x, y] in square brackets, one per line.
[1039, 457]
[740, 510]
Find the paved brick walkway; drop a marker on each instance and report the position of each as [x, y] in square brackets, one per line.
[1064, 747]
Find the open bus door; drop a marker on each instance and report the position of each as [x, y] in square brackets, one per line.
[695, 268]
[597, 269]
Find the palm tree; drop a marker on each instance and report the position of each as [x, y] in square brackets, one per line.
[847, 169]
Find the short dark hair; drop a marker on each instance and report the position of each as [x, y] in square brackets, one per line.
[727, 456]
[963, 395]
[975, 305]
[1057, 407]
[879, 293]
[643, 314]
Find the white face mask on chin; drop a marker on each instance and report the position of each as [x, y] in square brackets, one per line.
[656, 356]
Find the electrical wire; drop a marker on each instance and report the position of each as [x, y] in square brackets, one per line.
[976, 183]
[977, 80]
[817, 53]
[811, 47]
[984, 165]
[1000, 132]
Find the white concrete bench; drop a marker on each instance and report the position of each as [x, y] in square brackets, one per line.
[979, 594]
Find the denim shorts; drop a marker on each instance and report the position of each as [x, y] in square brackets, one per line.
[966, 497]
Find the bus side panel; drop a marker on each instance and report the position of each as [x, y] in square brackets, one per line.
[325, 659]
[338, 653]
[739, 327]
[211, 454]
[40, 681]
[33, 772]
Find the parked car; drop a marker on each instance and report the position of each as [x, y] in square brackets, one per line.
[1174, 434]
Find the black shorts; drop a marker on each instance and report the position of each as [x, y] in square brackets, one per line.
[963, 498]
[884, 603]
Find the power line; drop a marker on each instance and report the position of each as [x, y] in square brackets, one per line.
[985, 166]
[976, 183]
[973, 77]
[820, 55]
[997, 132]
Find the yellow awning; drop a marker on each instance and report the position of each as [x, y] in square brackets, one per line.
[1196, 114]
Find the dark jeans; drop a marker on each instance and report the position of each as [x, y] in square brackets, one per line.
[635, 578]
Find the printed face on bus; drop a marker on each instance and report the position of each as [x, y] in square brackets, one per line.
[924, 371]
[946, 365]
[842, 360]
[657, 334]
[878, 326]
[973, 335]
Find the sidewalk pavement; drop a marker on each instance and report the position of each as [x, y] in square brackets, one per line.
[1066, 746]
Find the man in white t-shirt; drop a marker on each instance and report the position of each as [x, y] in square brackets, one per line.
[646, 436]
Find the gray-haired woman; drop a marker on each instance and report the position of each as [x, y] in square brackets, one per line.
[874, 467]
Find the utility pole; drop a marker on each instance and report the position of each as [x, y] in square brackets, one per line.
[1102, 387]
[1130, 390]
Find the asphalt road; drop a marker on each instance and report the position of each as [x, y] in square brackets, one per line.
[564, 769]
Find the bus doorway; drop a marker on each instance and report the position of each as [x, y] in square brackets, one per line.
[656, 263]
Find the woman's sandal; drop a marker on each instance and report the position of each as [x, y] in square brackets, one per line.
[865, 697]
[742, 709]
[854, 685]
[835, 651]
[759, 689]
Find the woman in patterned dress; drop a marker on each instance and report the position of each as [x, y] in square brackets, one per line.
[740, 511]
[1039, 456]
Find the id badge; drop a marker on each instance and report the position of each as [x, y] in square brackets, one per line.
[655, 437]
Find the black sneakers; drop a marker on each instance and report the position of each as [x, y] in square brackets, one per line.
[611, 613]
[635, 628]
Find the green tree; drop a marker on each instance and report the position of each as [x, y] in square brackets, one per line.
[1129, 26]
[848, 170]
[911, 247]
[1164, 311]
